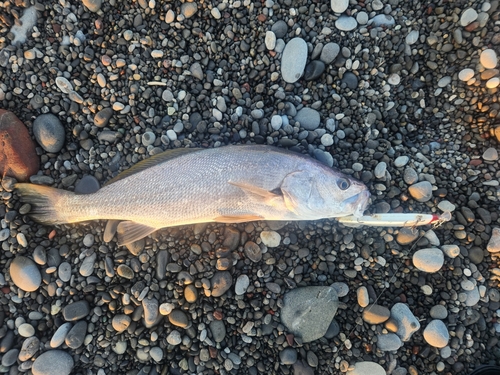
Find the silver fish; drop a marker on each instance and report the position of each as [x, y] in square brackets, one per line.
[230, 184]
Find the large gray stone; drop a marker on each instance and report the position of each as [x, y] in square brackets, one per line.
[308, 311]
[53, 362]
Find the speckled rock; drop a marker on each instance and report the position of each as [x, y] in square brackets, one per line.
[308, 311]
[293, 60]
[428, 260]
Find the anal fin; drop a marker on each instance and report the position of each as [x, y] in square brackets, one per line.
[233, 219]
[130, 231]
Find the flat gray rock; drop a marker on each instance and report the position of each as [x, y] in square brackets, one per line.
[308, 311]
[53, 362]
[293, 60]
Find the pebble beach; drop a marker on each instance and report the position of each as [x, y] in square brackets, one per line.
[401, 95]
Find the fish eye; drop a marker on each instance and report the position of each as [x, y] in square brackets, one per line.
[343, 183]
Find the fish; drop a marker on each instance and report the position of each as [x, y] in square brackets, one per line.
[230, 184]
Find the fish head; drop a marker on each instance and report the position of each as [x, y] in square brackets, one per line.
[343, 195]
[324, 193]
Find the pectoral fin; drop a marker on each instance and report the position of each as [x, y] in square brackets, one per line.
[256, 191]
[130, 231]
[232, 219]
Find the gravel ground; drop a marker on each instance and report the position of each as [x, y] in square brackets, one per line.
[402, 95]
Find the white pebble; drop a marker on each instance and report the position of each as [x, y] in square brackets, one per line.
[451, 251]
[465, 74]
[270, 238]
[326, 140]
[488, 59]
[493, 82]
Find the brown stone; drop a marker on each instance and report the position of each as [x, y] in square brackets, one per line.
[18, 157]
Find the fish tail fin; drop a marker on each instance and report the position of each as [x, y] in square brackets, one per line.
[46, 207]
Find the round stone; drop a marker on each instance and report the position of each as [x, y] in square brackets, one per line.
[339, 6]
[468, 16]
[412, 37]
[270, 40]
[465, 74]
[421, 191]
[376, 314]
[26, 330]
[156, 352]
[490, 154]
[327, 140]
[288, 356]
[49, 132]
[488, 59]
[493, 82]
[308, 118]
[494, 242]
[25, 274]
[270, 238]
[436, 334]
[190, 293]
[367, 367]
[53, 362]
[363, 297]
[293, 60]
[221, 282]
[438, 312]
[174, 338]
[388, 342]
[92, 5]
[428, 260]
[346, 23]
[241, 286]
[120, 322]
[329, 52]
[451, 251]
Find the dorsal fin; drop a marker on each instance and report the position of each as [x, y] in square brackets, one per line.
[151, 162]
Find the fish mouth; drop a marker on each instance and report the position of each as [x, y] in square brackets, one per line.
[358, 203]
